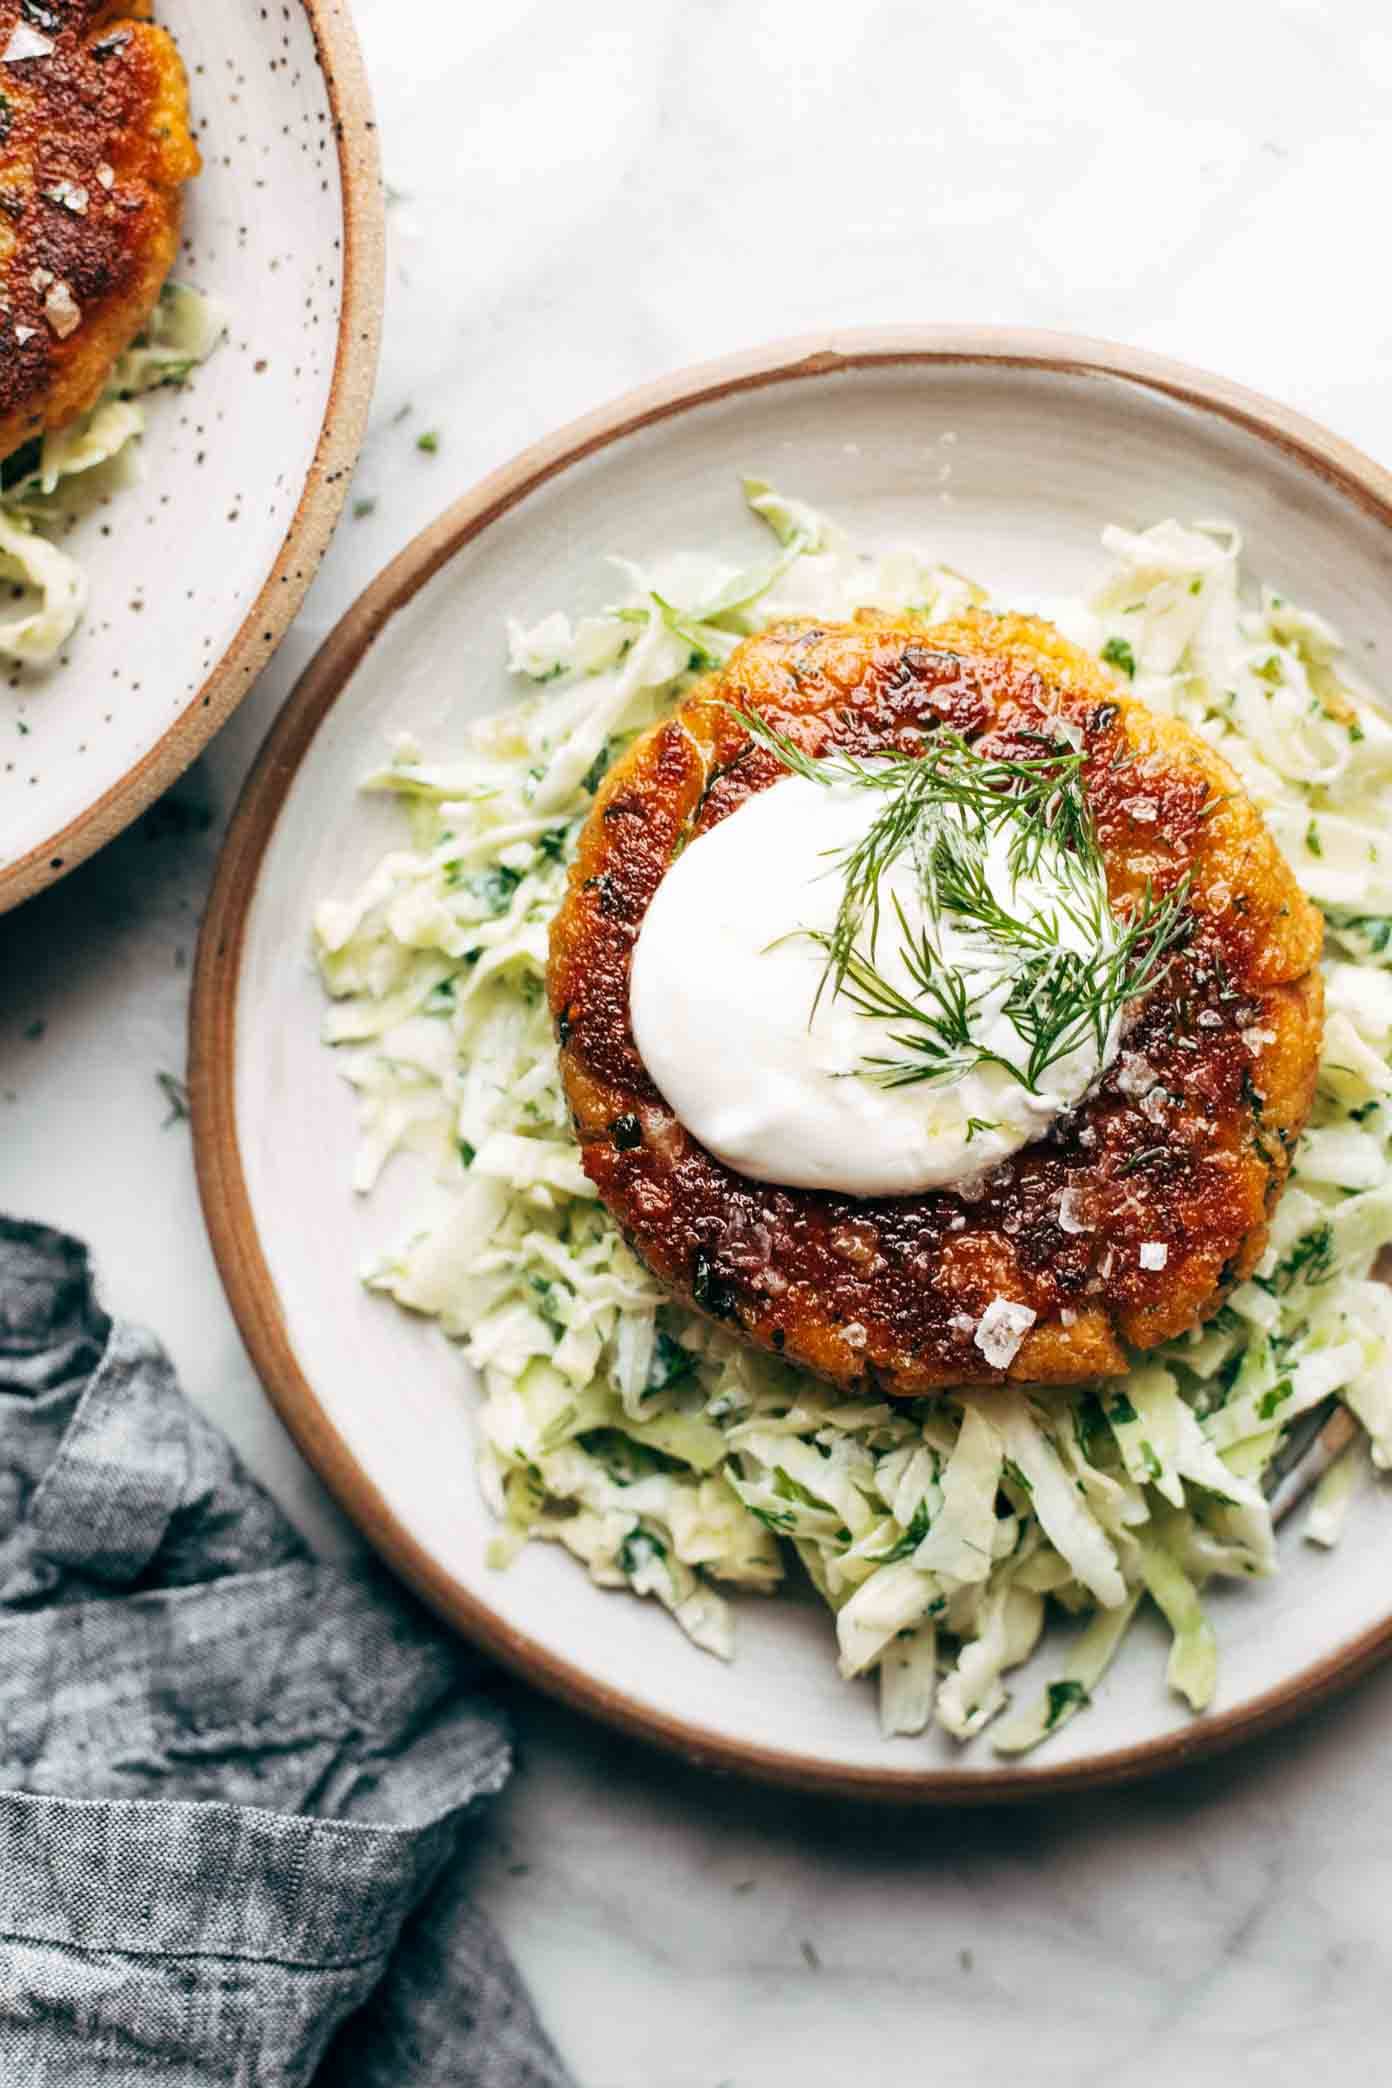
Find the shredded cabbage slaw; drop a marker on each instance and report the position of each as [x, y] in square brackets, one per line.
[50, 482]
[673, 1460]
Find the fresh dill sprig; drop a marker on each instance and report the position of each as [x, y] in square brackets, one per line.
[946, 806]
[945, 803]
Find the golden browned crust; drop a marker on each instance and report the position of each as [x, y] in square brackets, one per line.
[94, 150]
[886, 1291]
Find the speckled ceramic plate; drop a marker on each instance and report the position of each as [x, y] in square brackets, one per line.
[1006, 452]
[197, 572]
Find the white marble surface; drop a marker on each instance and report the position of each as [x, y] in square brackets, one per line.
[587, 197]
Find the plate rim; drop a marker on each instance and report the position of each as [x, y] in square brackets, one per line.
[341, 431]
[227, 1207]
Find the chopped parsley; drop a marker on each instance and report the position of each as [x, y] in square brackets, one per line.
[493, 888]
[1373, 929]
[1271, 1402]
[712, 1292]
[913, 1536]
[640, 1551]
[176, 1094]
[1063, 1697]
[672, 1364]
[1311, 1260]
[1117, 653]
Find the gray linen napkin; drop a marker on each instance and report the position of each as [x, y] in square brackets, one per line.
[232, 1778]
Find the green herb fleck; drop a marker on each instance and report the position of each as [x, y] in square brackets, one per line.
[1117, 653]
[492, 888]
[919, 1526]
[176, 1094]
[1136, 1161]
[640, 1550]
[1063, 1697]
[712, 1292]
[429, 442]
[1311, 1260]
[1270, 1402]
[672, 1364]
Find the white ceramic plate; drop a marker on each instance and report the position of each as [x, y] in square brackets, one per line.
[196, 574]
[1005, 455]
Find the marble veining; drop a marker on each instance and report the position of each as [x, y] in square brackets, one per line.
[582, 199]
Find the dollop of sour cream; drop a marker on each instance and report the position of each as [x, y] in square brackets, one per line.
[724, 980]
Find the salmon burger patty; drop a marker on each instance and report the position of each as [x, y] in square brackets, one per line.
[1139, 1209]
[94, 151]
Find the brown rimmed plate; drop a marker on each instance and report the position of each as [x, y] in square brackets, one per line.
[197, 572]
[1006, 452]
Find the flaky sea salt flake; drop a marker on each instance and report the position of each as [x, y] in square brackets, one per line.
[1135, 1074]
[25, 43]
[1001, 1329]
[62, 311]
[70, 194]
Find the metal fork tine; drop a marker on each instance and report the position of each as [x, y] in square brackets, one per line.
[1305, 1464]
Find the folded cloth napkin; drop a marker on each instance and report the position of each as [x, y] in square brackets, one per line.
[233, 1779]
